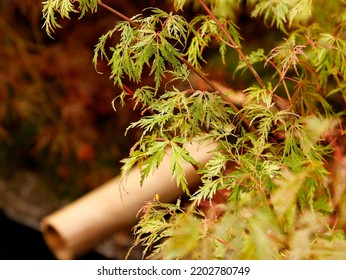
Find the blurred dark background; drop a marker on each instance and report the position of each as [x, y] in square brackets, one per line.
[59, 134]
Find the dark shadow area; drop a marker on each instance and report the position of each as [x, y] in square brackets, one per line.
[19, 242]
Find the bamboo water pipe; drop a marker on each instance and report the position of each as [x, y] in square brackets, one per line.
[80, 226]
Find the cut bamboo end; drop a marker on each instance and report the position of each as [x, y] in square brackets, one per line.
[80, 226]
[56, 242]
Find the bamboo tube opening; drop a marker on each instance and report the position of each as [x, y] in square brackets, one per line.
[56, 242]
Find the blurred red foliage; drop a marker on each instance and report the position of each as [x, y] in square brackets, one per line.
[56, 114]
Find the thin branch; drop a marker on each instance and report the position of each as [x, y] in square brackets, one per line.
[223, 242]
[233, 43]
[128, 90]
[270, 203]
[280, 103]
[118, 14]
[282, 79]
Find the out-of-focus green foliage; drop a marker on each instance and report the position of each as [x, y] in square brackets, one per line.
[272, 188]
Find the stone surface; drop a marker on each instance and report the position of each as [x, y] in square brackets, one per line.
[26, 199]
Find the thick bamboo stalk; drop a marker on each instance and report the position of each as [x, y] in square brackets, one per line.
[80, 226]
